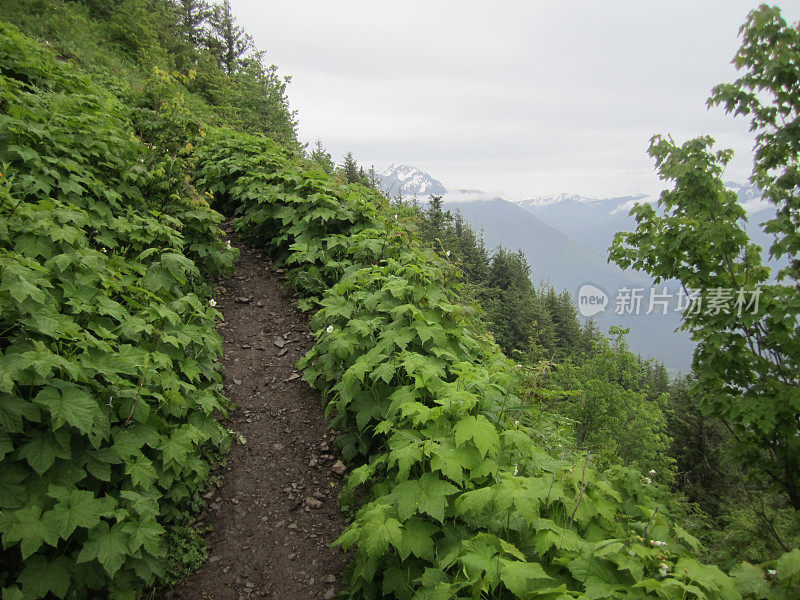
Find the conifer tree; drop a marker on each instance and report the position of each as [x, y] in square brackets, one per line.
[261, 100]
[372, 178]
[350, 168]
[589, 335]
[472, 250]
[229, 41]
[435, 215]
[510, 302]
[323, 158]
[193, 16]
[565, 321]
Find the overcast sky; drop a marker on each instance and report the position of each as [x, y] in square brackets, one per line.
[520, 98]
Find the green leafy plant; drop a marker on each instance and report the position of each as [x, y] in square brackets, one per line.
[748, 357]
[457, 499]
[109, 383]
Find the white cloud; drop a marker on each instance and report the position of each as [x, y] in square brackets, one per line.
[461, 196]
[528, 97]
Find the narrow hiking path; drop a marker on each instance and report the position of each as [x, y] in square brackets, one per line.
[274, 512]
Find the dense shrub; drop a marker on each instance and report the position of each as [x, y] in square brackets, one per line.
[459, 501]
[109, 386]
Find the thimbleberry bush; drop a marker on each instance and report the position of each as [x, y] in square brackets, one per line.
[109, 386]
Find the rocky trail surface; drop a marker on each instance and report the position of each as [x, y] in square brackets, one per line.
[273, 513]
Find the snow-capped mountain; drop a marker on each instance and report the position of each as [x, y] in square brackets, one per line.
[589, 221]
[749, 196]
[566, 237]
[594, 221]
[573, 199]
[405, 180]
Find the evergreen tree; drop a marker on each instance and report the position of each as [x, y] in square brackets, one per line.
[612, 417]
[322, 158]
[147, 30]
[472, 253]
[229, 41]
[194, 14]
[658, 382]
[590, 334]
[350, 169]
[510, 302]
[372, 178]
[261, 102]
[697, 447]
[565, 321]
[435, 216]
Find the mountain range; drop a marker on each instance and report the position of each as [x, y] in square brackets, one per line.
[565, 239]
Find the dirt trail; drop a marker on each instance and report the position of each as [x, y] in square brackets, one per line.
[274, 513]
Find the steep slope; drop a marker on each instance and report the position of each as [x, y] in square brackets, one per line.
[456, 494]
[555, 258]
[110, 391]
[592, 222]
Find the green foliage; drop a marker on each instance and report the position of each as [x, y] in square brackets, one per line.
[121, 44]
[513, 310]
[747, 359]
[514, 314]
[612, 411]
[138, 28]
[526, 322]
[698, 447]
[258, 101]
[322, 157]
[109, 388]
[566, 336]
[458, 500]
[767, 93]
[194, 14]
[349, 170]
[108, 374]
[187, 553]
[228, 40]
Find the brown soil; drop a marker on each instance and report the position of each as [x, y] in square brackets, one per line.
[274, 513]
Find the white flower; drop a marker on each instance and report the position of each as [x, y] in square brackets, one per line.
[228, 244]
[519, 366]
[516, 470]
[772, 572]
[648, 480]
[447, 254]
[652, 471]
[663, 569]
[212, 303]
[516, 423]
[102, 249]
[395, 217]
[329, 328]
[657, 543]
